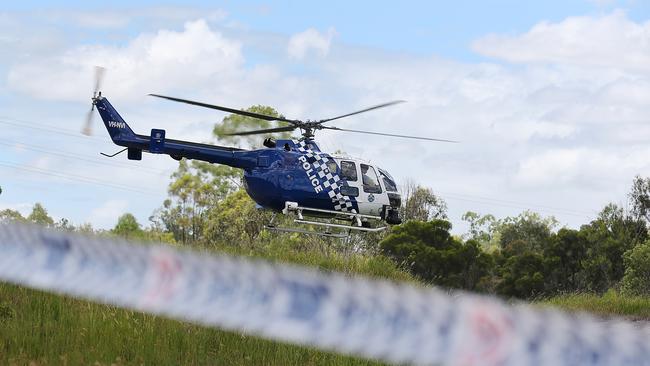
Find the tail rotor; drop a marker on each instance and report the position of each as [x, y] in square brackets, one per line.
[99, 77]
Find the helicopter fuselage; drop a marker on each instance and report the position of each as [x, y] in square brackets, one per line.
[285, 171]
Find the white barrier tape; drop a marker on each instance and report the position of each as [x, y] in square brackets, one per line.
[376, 319]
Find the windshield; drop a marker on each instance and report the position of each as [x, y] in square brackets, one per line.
[388, 180]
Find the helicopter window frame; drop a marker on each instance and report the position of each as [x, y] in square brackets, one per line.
[349, 191]
[388, 180]
[332, 166]
[350, 167]
[369, 177]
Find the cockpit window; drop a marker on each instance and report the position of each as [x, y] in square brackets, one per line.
[388, 180]
[331, 166]
[349, 171]
[370, 181]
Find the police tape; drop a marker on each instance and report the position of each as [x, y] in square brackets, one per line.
[371, 318]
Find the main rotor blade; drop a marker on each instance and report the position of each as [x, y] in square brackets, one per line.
[363, 110]
[268, 130]
[226, 109]
[388, 134]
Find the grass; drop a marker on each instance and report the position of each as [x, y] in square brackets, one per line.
[607, 305]
[44, 329]
[375, 266]
[38, 328]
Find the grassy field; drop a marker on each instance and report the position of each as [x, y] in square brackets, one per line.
[607, 305]
[43, 329]
[38, 328]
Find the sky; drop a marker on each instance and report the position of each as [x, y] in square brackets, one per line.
[550, 100]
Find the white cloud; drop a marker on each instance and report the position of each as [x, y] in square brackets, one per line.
[105, 216]
[302, 43]
[611, 40]
[192, 58]
[582, 167]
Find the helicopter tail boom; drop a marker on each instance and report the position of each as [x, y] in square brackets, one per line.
[123, 135]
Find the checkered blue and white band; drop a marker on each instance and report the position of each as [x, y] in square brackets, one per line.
[331, 181]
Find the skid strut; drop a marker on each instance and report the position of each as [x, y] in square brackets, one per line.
[354, 221]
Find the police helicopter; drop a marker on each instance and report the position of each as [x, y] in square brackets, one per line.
[293, 177]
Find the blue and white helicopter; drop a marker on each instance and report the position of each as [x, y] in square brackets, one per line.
[294, 177]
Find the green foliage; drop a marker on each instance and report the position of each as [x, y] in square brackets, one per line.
[8, 215]
[64, 225]
[429, 252]
[482, 229]
[526, 232]
[7, 312]
[47, 329]
[611, 235]
[128, 227]
[39, 216]
[238, 123]
[609, 304]
[640, 198]
[420, 203]
[195, 189]
[235, 220]
[563, 258]
[522, 276]
[636, 280]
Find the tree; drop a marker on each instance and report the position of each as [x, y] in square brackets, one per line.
[636, 280]
[522, 276]
[640, 197]
[128, 227]
[86, 228]
[8, 215]
[609, 236]
[64, 225]
[482, 229]
[420, 203]
[195, 189]
[564, 256]
[526, 232]
[39, 216]
[428, 251]
[238, 123]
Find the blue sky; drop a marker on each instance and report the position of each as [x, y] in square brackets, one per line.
[424, 27]
[541, 94]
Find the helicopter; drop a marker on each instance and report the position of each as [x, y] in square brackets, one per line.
[334, 194]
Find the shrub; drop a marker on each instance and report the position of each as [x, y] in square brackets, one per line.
[636, 280]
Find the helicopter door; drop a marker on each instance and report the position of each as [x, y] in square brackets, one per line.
[371, 197]
[349, 173]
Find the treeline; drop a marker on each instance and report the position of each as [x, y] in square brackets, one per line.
[523, 257]
[527, 256]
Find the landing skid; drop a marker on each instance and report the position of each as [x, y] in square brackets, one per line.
[355, 221]
[301, 231]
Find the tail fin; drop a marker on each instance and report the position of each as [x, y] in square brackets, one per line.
[116, 126]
